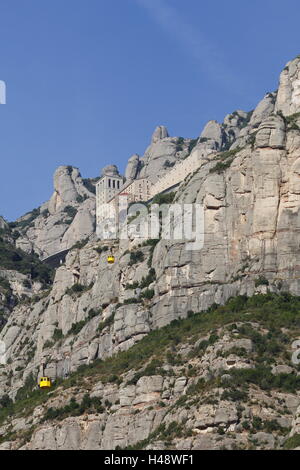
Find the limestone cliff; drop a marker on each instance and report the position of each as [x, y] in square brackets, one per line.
[64, 220]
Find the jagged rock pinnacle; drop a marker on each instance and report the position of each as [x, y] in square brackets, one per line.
[161, 132]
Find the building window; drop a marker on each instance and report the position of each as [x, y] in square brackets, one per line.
[114, 184]
[118, 184]
[109, 183]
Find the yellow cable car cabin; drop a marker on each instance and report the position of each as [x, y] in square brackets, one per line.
[110, 259]
[45, 382]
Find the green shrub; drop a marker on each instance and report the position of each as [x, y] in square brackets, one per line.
[136, 257]
[234, 395]
[27, 389]
[132, 300]
[292, 442]
[261, 281]
[48, 344]
[6, 401]
[12, 258]
[80, 244]
[90, 184]
[148, 294]
[27, 284]
[76, 327]
[153, 244]
[179, 144]
[24, 224]
[257, 423]
[291, 120]
[109, 321]
[146, 281]
[70, 211]
[263, 378]
[87, 404]
[150, 369]
[225, 160]
[80, 199]
[57, 334]
[92, 313]
[76, 288]
[4, 284]
[101, 249]
[192, 144]
[169, 164]
[167, 198]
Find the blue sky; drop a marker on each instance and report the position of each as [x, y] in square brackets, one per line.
[88, 80]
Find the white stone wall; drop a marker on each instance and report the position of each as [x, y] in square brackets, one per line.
[142, 190]
[178, 173]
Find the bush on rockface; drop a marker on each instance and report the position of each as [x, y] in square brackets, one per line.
[167, 198]
[261, 281]
[12, 258]
[225, 160]
[148, 294]
[136, 257]
[87, 404]
[263, 378]
[292, 442]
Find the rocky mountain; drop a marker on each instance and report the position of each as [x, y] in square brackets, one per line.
[134, 363]
[22, 276]
[64, 220]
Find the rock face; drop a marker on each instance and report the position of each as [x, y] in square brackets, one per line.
[264, 109]
[251, 198]
[160, 133]
[271, 133]
[132, 168]
[67, 218]
[163, 153]
[177, 405]
[67, 181]
[3, 224]
[111, 170]
[22, 277]
[288, 99]
[213, 132]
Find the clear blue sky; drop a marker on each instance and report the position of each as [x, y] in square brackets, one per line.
[88, 80]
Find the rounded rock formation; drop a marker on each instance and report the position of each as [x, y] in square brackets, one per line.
[161, 132]
[132, 167]
[110, 170]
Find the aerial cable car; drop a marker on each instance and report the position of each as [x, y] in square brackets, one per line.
[110, 257]
[45, 382]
